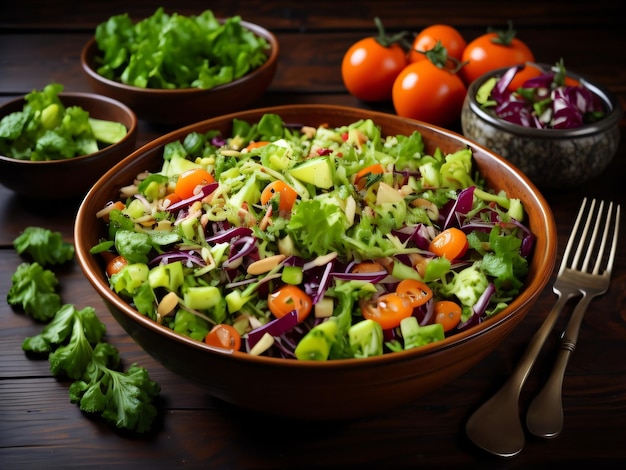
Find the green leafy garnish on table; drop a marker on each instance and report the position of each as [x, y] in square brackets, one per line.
[175, 51]
[45, 129]
[73, 340]
[34, 290]
[43, 246]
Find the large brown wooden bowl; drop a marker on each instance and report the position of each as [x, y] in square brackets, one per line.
[182, 106]
[337, 389]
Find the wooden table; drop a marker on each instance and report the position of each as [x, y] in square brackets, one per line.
[40, 42]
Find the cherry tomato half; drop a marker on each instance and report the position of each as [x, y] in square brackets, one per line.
[287, 195]
[189, 180]
[416, 291]
[427, 38]
[367, 267]
[492, 51]
[451, 244]
[224, 336]
[287, 299]
[368, 69]
[428, 93]
[388, 310]
[447, 313]
[360, 180]
[115, 265]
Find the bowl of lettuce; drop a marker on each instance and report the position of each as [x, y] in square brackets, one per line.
[173, 69]
[56, 144]
[295, 260]
[558, 127]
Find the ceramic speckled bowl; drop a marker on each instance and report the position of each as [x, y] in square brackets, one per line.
[551, 158]
[336, 389]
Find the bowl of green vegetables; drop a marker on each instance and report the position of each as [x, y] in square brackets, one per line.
[313, 261]
[173, 69]
[55, 144]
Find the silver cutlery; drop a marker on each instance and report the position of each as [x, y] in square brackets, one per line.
[496, 426]
[545, 413]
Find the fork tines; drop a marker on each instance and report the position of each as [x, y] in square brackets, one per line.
[602, 218]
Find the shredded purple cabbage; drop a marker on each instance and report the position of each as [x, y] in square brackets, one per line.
[544, 102]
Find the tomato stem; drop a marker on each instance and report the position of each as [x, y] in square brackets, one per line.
[387, 41]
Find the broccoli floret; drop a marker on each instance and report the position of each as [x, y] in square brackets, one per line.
[33, 289]
[43, 246]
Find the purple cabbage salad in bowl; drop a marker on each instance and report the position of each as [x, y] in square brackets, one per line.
[299, 239]
[549, 99]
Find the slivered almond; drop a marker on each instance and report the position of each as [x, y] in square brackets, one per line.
[265, 265]
[167, 304]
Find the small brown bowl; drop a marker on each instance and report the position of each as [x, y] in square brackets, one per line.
[186, 105]
[62, 179]
[335, 389]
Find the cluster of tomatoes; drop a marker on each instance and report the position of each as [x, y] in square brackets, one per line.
[427, 78]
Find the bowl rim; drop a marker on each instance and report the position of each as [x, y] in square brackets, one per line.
[609, 99]
[130, 131]
[85, 260]
[272, 57]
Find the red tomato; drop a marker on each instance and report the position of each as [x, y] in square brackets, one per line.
[416, 291]
[447, 313]
[529, 71]
[451, 244]
[492, 51]
[388, 310]
[428, 93]
[367, 267]
[223, 336]
[190, 180]
[287, 299]
[287, 195]
[115, 265]
[368, 69]
[427, 38]
[360, 180]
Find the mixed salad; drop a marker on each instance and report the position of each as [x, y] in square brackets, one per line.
[314, 243]
[527, 95]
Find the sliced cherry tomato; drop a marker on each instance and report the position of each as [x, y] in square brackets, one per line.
[360, 180]
[115, 265]
[428, 93]
[427, 38]
[492, 51]
[287, 299]
[370, 66]
[367, 267]
[529, 71]
[256, 145]
[287, 195]
[224, 336]
[416, 291]
[190, 180]
[447, 313]
[451, 244]
[173, 198]
[388, 310]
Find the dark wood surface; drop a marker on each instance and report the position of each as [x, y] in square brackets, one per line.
[40, 42]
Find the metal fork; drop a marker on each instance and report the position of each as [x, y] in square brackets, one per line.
[496, 426]
[545, 414]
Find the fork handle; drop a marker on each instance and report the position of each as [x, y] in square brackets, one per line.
[545, 413]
